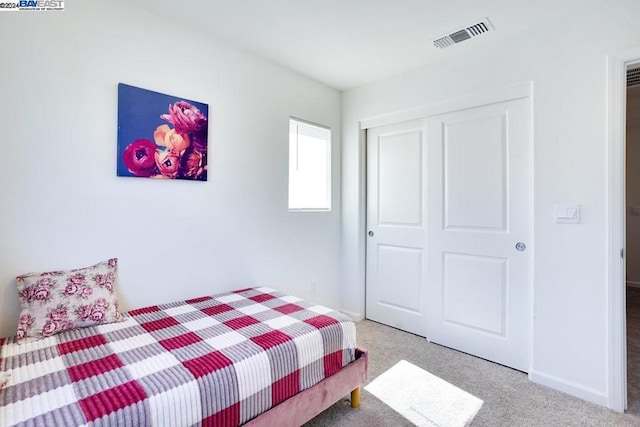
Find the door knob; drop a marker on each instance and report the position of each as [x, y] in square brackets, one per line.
[521, 246]
[371, 233]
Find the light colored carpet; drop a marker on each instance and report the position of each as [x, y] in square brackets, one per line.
[510, 399]
[423, 398]
[633, 351]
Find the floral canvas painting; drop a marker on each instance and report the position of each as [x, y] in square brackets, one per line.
[161, 136]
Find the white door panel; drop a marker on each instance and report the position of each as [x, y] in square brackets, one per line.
[474, 156]
[396, 254]
[391, 260]
[400, 190]
[469, 282]
[479, 208]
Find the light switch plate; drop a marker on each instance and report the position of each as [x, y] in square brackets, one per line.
[567, 214]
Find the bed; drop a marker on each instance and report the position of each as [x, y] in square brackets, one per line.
[254, 356]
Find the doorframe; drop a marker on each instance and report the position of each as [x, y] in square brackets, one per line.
[616, 141]
[524, 90]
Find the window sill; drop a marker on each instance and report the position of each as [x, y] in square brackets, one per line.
[309, 209]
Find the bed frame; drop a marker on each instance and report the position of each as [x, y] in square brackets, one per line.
[305, 405]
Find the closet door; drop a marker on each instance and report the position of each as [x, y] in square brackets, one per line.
[396, 240]
[449, 217]
[479, 257]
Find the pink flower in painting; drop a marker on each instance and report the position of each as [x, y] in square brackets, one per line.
[139, 158]
[41, 294]
[71, 289]
[175, 142]
[59, 313]
[101, 302]
[188, 119]
[191, 165]
[113, 262]
[168, 163]
[97, 314]
[84, 311]
[86, 291]
[185, 117]
[78, 280]
[50, 328]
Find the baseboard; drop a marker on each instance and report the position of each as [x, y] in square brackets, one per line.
[568, 387]
[631, 284]
[356, 317]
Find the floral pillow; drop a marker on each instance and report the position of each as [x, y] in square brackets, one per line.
[55, 301]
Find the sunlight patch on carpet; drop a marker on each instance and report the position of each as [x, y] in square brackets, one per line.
[423, 398]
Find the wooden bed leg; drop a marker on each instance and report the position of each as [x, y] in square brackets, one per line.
[355, 398]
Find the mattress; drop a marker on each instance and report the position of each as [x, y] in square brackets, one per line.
[217, 360]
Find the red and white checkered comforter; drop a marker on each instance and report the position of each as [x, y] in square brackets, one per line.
[218, 360]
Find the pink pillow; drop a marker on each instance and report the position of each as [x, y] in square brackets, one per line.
[55, 301]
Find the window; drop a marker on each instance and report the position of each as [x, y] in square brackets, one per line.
[309, 166]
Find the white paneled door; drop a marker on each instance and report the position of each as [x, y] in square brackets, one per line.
[459, 260]
[396, 250]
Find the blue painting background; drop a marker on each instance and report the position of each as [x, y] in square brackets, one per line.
[139, 113]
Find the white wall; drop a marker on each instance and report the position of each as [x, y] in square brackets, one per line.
[566, 61]
[62, 205]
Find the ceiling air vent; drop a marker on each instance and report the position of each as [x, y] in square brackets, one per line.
[464, 34]
[633, 77]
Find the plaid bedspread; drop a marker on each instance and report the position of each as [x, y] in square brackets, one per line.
[219, 360]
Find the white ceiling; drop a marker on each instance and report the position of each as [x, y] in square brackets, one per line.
[349, 43]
